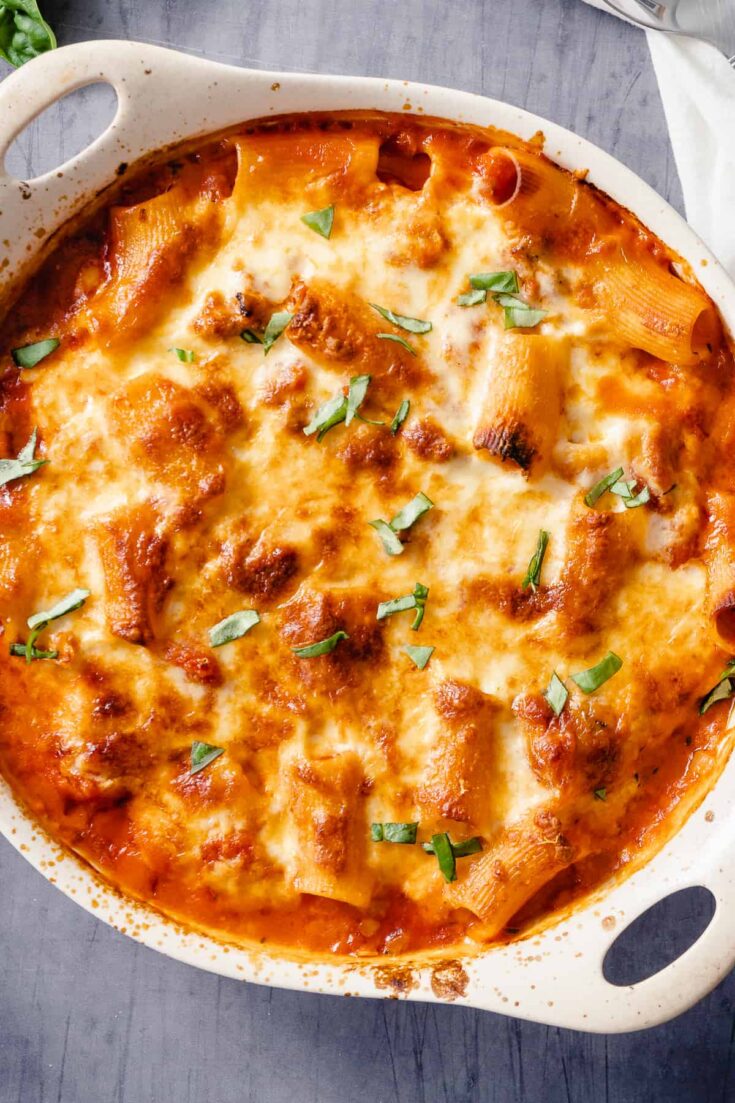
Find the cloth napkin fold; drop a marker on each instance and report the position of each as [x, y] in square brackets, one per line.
[697, 88]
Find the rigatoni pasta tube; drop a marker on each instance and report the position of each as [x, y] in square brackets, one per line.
[522, 398]
[720, 561]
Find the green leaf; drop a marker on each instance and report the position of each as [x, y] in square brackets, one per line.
[640, 499]
[24, 34]
[416, 600]
[328, 415]
[24, 464]
[556, 694]
[419, 655]
[518, 314]
[356, 395]
[400, 416]
[592, 496]
[600, 794]
[388, 538]
[472, 298]
[186, 356]
[442, 848]
[460, 850]
[67, 604]
[411, 325]
[393, 832]
[250, 337]
[34, 653]
[411, 512]
[233, 627]
[202, 754]
[495, 281]
[533, 574]
[320, 222]
[590, 680]
[627, 491]
[398, 340]
[721, 691]
[277, 324]
[323, 647]
[27, 356]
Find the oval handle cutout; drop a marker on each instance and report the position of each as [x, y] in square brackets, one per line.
[61, 131]
[659, 936]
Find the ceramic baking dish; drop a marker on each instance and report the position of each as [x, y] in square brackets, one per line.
[555, 976]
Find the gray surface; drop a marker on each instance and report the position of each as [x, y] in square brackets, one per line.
[86, 1016]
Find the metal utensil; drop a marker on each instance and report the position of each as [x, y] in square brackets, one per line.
[710, 21]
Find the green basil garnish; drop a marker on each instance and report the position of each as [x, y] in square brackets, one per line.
[411, 325]
[460, 850]
[600, 794]
[416, 600]
[277, 324]
[23, 464]
[593, 495]
[472, 298]
[356, 395]
[27, 356]
[556, 695]
[39, 621]
[411, 512]
[24, 33]
[320, 222]
[498, 282]
[400, 416]
[388, 538]
[518, 314]
[721, 691]
[202, 754]
[393, 832]
[398, 340]
[533, 574]
[21, 649]
[323, 647]
[186, 356]
[331, 413]
[250, 337]
[442, 848]
[233, 627]
[419, 655]
[590, 680]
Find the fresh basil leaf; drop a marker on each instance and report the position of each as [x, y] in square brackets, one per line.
[518, 314]
[472, 298]
[590, 680]
[721, 691]
[277, 324]
[593, 495]
[627, 491]
[416, 600]
[444, 855]
[202, 754]
[600, 794]
[411, 325]
[186, 356]
[328, 415]
[320, 222]
[623, 489]
[460, 850]
[24, 464]
[388, 538]
[640, 499]
[495, 281]
[27, 356]
[400, 416]
[419, 655]
[24, 33]
[533, 574]
[323, 647]
[556, 695]
[411, 512]
[250, 337]
[34, 653]
[67, 604]
[393, 832]
[356, 395]
[233, 627]
[398, 340]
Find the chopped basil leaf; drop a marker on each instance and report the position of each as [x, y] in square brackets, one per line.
[419, 655]
[411, 325]
[356, 395]
[627, 491]
[556, 695]
[323, 647]
[495, 281]
[623, 489]
[600, 794]
[533, 574]
[640, 499]
[320, 222]
[202, 754]
[388, 538]
[411, 512]
[472, 298]
[24, 33]
[461, 850]
[250, 337]
[393, 832]
[400, 416]
[722, 690]
[420, 593]
[518, 314]
[186, 356]
[278, 322]
[445, 855]
[67, 604]
[24, 464]
[27, 356]
[233, 627]
[22, 650]
[416, 600]
[398, 340]
[328, 415]
[592, 496]
[590, 680]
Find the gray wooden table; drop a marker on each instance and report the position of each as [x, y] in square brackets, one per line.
[87, 1016]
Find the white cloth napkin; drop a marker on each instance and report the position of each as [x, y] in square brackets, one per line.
[697, 88]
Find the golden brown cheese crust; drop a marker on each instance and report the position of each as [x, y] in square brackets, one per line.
[179, 491]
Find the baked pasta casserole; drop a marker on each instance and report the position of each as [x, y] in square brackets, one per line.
[367, 537]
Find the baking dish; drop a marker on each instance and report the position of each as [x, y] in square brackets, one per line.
[554, 976]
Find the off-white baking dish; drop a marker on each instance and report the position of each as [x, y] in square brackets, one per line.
[555, 977]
